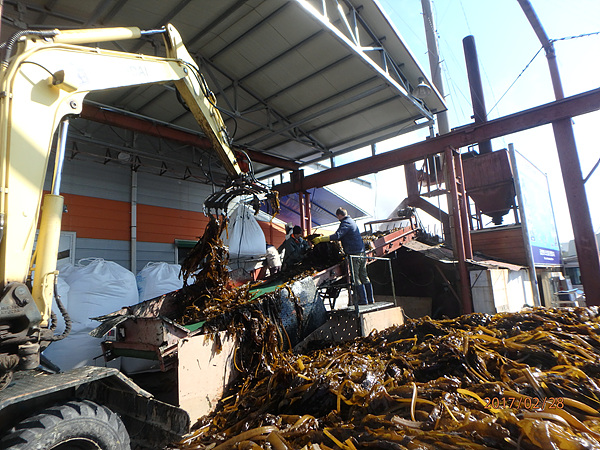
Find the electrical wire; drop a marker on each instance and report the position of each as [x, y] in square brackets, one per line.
[513, 83]
[462, 7]
[8, 47]
[595, 33]
[39, 65]
[566, 38]
[212, 99]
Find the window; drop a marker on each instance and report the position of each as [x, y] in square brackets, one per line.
[574, 274]
[182, 248]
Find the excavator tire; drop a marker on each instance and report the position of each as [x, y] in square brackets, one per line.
[75, 425]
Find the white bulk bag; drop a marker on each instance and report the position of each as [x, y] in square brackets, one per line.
[158, 278]
[97, 287]
[244, 236]
[154, 280]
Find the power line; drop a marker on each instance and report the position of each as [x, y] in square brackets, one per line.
[513, 83]
[566, 38]
[462, 7]
[595, 33]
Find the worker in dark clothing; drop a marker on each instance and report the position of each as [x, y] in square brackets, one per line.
[351, 240]
[295, 248]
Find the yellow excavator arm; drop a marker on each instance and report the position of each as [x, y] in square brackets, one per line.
[44, 79]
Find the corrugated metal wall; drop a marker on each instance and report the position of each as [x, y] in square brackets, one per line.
[98, 203]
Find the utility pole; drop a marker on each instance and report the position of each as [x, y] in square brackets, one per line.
[583, 231]
[1, 5]
[456, 235]
[435, 65]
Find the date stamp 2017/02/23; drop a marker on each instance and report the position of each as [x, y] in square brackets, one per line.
[529, 403]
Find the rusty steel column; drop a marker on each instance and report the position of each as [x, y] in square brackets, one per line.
[579, 210]
[458, 241]
[464, 209]
[476, 88]
[308, 218]
[301, 209]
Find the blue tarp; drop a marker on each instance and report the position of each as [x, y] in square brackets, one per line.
[324, 203]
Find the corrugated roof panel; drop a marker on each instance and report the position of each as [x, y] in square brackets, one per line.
[298, 85]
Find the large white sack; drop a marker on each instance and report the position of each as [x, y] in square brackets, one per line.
[244, 236]
[154, 280]
[78, 349]
[97, 287]
[158, 278]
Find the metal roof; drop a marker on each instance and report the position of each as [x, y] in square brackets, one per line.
[446, 255]
[300, 80]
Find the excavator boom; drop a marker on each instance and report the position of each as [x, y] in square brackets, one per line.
[44, 78]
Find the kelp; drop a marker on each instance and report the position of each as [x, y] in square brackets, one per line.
[525, 380]
[209, 293]
[210, 297]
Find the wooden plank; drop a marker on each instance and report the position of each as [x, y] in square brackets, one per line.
[506, 244]
[382, 319]
[413, 307]
[203, 373]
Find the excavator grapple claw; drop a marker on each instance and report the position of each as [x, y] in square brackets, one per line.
[217, 204]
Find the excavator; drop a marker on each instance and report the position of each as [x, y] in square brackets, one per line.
[44, 78]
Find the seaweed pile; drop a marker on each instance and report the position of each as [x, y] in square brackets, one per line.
[212, 290]
[317, 258]
[526, 380]
[209, 294]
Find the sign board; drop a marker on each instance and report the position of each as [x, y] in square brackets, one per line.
[536, 211]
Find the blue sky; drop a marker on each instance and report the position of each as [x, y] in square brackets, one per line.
[506, 45]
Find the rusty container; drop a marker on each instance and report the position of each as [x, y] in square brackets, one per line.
[489, 182]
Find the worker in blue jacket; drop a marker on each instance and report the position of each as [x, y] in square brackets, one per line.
[351, 240]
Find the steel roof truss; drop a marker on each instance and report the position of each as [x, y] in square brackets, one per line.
[268, 126]
[325, 100]
[331, 155]
[253, 28]
[345, 102]
[228, 12]
[324, 16]
[44, 13]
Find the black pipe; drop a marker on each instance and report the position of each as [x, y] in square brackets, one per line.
[480, 114]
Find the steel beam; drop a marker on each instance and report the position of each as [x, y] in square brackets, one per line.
[219, 20]
[116, 119]
[268, 107]
[395, 132]
[541, 115]
[397, 83]
[321, 112]
[579, 210]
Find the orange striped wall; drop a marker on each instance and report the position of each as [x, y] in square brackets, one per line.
[98, 218]
[158, 224]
